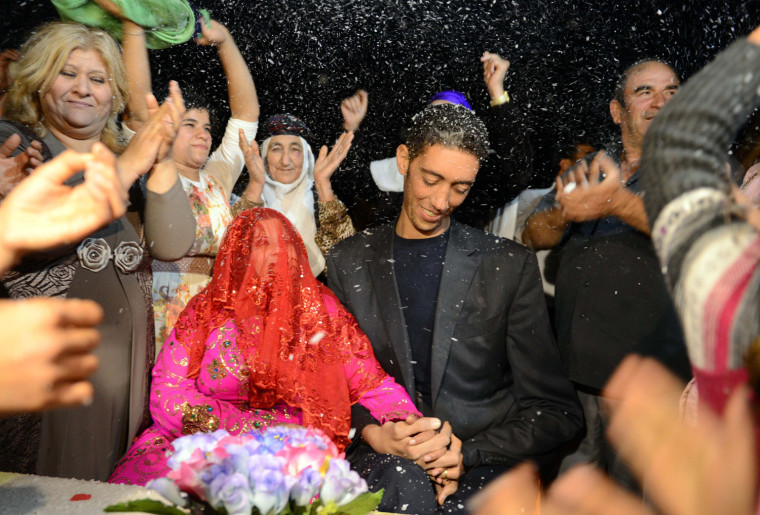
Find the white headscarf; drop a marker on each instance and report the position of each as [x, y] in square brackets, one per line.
[296, 202]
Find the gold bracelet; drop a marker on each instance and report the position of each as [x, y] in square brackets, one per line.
[503, 99]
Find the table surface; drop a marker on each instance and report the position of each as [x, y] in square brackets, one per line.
[25, 494]
[22, 494]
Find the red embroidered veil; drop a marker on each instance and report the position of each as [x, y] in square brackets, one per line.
[294, 349]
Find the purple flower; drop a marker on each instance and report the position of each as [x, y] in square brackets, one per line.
[306, 487]
[231, 492]
[342, 485]
[169, 490]
[270, 487]
[262, 470]
[185, 446]
[238, 457]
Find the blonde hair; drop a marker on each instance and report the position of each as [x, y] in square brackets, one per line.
[44, 55]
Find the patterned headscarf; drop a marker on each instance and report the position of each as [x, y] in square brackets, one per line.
[296, 199]
[285, 125]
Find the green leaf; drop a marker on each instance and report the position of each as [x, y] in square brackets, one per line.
[293, 509]
[363, 504]
[146, 506]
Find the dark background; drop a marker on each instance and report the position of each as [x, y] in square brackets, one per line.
[306, 55]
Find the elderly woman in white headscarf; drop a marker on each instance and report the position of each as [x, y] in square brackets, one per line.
[284, 176]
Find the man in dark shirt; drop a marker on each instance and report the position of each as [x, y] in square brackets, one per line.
[610, 296]
[458, 318]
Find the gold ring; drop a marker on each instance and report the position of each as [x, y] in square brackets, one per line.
[446, 474]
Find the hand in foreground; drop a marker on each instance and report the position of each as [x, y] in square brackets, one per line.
[588, 193]
[255, 165]
[580, 491]
[494, 71]
[42, 212]
[14, 169]
[354, 109]
[45, 356]
[709, 469]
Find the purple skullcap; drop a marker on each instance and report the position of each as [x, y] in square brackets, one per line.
[285, 124]
[453, 96]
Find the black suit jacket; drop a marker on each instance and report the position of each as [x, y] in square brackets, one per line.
[496, 372]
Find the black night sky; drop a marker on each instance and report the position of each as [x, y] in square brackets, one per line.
[306, 55]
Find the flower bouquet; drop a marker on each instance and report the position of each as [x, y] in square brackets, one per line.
[282, 470]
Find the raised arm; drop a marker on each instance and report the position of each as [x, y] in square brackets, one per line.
[136, 64]
[511, 164]
[354, 109]
[135, 53]
[327, 163]
[685, 148]
[168, 217]
[244, 103]
[706, 241]
[508, 169]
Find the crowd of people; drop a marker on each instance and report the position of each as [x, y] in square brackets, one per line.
[144, 300]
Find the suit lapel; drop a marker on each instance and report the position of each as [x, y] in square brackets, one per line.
[386, 293]
[458, 270]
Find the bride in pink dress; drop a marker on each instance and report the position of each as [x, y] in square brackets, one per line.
[264, 343]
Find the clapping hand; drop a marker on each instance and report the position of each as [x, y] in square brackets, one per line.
[14, 169]
[152, 144]
[588, 193]
[327, 163]
[255, 165]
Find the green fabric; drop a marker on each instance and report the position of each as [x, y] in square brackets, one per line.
[166, 22]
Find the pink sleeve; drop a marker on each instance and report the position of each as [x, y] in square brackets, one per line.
[386, 402]
[178, 406]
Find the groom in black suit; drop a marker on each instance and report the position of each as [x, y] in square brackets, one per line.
[458, 317]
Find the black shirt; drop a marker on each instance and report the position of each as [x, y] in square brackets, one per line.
[418, 265]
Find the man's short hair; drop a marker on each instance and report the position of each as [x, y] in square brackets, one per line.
[450, 125]
[619, 93]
